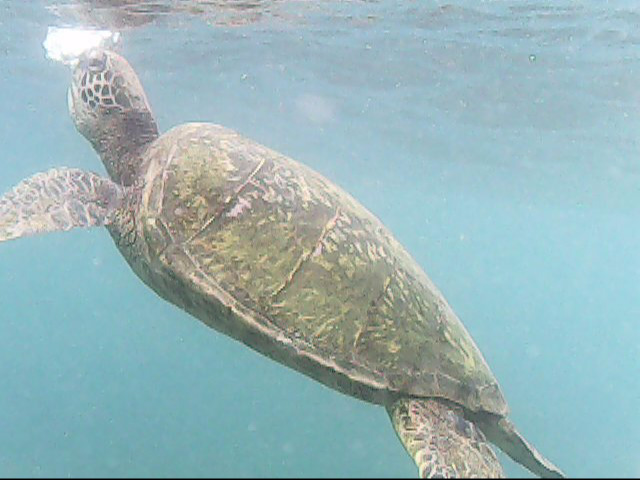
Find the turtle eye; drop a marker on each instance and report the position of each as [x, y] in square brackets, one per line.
[97, 64]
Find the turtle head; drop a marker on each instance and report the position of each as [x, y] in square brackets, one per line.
[110, 109]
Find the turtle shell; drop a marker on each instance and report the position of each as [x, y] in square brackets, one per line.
[268, 251]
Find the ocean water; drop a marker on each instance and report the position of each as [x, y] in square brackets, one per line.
[498, 140]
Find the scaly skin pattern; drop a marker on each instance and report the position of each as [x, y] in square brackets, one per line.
[58, 200]
[442, 443]
[271, 253]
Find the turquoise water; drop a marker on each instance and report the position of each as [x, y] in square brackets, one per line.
[497, 140]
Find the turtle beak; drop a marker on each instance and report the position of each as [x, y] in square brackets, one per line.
[94, 60]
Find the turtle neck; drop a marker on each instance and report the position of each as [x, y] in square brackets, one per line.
[122, 144]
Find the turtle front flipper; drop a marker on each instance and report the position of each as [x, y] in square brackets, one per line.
[442, 443]
[59, 199]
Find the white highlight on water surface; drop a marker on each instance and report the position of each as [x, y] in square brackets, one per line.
[67, 44]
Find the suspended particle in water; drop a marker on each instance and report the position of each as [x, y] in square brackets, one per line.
[532, 351]
[287, 448]
[532, 58]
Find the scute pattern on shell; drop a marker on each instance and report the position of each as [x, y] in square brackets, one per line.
[292, 255]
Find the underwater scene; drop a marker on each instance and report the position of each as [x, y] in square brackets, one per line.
[497, 142]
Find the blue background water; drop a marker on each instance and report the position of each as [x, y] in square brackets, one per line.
[497, 140]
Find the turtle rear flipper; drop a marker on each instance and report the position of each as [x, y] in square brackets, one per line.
[502, 433]
[59, 199]
[441, 442]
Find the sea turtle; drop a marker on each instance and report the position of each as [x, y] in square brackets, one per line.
[271, 253]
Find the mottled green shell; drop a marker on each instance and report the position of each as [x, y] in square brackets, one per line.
[268, 251]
